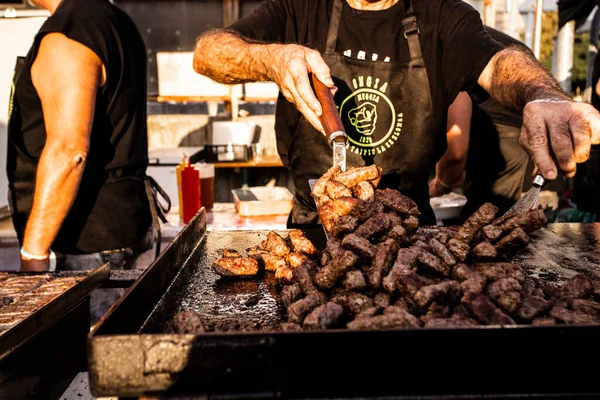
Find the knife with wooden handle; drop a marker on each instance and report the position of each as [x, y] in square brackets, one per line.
[332, 123]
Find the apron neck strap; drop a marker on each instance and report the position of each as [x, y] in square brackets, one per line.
[334, 26]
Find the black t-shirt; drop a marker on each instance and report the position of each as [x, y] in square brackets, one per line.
[456, 47]
[110, 210]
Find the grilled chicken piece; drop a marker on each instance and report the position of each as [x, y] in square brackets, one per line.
[268, 261]
[335, 189]
[275, 244]
[364, 191]
[231, 253]
[318, 189]
[237, 266]
[301, 244]
[354, 176]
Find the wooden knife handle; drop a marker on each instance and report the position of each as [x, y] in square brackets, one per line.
[330, 118]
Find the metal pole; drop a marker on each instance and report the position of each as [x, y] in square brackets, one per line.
[537, 28]
[564, 56]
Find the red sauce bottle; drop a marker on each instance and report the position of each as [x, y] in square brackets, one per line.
[190, 191]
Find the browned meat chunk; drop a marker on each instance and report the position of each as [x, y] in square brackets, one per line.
[385, 255]
[364, 191]
[462, 272]
[405, 263]
[531, 307]
[587, 306]
[229, 253]
[422, 245]
[359, 246]
[335, 189]
[495, 271]
[442, 252]
[484, 251]
[409, 284]
[506, 293]
[459, 249]
[239, 266]
[530, 288]
[484, 310]
[529, 221]
[398, 234]
[394, 309]
[442, 237]
[354, 281]
[354, 176]
[291, 294]
[348, 206]
[382, 300]
[445, 292]
[301, 308]
[475, 222]
[290, 327]
[294, 260]
[515, 240]
[323, 317]
[433, 264]
[354, 303]
[474, 285]
[374, 227]
[490, 233]
[327, 214]
[436, 310]
[397, 202]
[302, 245]
[266, 260]
[369, 312]
[400, 319]
[318, 189]
[303, 275]
[451, 323]
[187, 322]
[275, 244]
[578, 287]
[543, 322]
[284, 275]
[411, 223]
[341, 261]
[569, 317]
[344, 225]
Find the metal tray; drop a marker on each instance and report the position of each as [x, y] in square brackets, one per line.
[130, 354]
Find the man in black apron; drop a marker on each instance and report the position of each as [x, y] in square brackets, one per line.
[77, 148]
[397, 65]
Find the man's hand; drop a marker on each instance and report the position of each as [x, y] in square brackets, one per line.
[289, 69]
[558, 134]
[436, 189]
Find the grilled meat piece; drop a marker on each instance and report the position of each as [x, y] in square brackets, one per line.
[409, 283]
[275, 244]
[475, 284]
[268, 261]
[327, 214]
[398, 234]
[302, 245]
[374, 227]
[284, 275]
[462, 272]
[291, 294]
[187, 322]
[565, 316]
[230, 253]
[445, 292]
[530, 288]
[318, 189]
[354, 281]
[348, 206]
[290, 327]
[301, 308]
[382, 300]
[422, 245]
[303, 274]
[341, 261]
[589, 307]
[529, 221]
[411, 223]
[484, 310]
[578, 287]
[442, 252]
[490, 233]
[353, 303]
[451, 323]
[543, 322]
[369, 312]
[360, 246]
[400, 319]
[354, 176]
[323, 317]
[239, 267]
[494, 271]
[294, 260]
[484, 251]
[436, 311]
[532, 307]
[506, 293]
[385, 255]
[433, 264]
[335, 189]
[515, 240]
[475, 222]
[459, 249]
[405, 263]
[397, 202]
[346, 224]
[364, 191]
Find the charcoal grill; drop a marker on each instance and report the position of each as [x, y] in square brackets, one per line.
[130, 353]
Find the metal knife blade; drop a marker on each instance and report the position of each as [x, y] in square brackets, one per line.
[529, 201]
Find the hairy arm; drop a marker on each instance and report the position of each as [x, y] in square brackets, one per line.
[66, 76]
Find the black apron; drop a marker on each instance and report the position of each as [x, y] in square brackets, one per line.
[123, 180]
[387, 111]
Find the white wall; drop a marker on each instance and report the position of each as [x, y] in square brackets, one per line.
[16, 36]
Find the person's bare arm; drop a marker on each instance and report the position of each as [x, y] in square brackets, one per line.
[228, 58]
[557, 132]
[451, 167]
[66, 76]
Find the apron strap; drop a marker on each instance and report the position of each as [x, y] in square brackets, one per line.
[334, 26]
[157, 209]
[412, 32]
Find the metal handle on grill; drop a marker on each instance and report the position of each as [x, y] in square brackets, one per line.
[330, 118]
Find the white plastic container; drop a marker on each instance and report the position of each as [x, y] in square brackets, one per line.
[262, 200]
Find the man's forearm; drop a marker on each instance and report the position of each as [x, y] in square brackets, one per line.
[57, 182]
[514, 78]
[230, 59]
